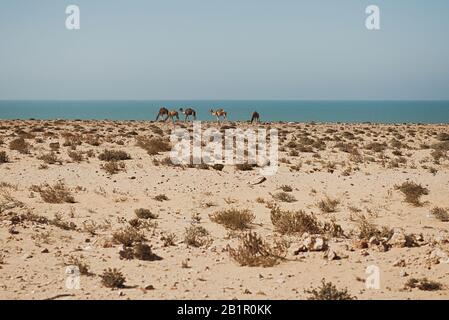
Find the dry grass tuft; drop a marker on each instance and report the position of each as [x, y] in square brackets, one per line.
[440, 214]
[234, 219]
[197, 236]
[423, 284]
[112, 278]
[328, 291]
[58, 193]
[114, 155]
[113, 167]
[328, 205]
[20, 145]
[145, 214]
[284, 197]
[153, 146]
[413, 192]
[289, 222]
[255, 252]
[128, 236]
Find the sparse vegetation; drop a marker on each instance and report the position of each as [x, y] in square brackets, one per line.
[255, 252]
[145, 214]
[328, 205]
[20, 145]
[234, 219]
[57, 193]
[284, 197]
[328, 291]
[412, 192]
[440, 214]
[153, 146]
[112, 278]
[128, 236]
[161, 197]
[288, 222]
[423, 284]
[113, 167]
[197, 236]
[114, 155]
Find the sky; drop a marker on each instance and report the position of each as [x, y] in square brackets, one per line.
[224, 49]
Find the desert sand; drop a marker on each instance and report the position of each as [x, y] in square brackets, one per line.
[345, 197]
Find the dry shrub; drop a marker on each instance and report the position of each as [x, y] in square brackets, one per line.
[80, 264]
[412, 192]
[153, 146]
[145, 214]
[50, 158]
[60, 223]
[234, 219]
[128, 236]
[114, 155]
[333, 229]
[3, 157]
[161, 197]
[368, 230]
[328, 291]
[440, 214]
[328, 205]
[423, 284]
[286, 188]
[169, 239]
[288, 222]
[253, 251]
[58, 193]
[197, 236]
[376, 146]
[20, 145]
[284, 197]
[112, 278]
[76, 156]
[113, 167]
[139, 251]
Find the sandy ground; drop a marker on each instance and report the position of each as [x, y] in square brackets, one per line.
[338, 161]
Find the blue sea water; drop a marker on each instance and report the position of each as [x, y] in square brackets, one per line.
[283, 110]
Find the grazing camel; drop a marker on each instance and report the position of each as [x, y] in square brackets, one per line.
[219, 113]
[188, 112]
[162, 112]
[256, 117]
[172, 115]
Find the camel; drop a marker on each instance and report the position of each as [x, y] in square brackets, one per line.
[219, 113]
[188, 112]
[255, 117]
[172, 115]
[162, 112]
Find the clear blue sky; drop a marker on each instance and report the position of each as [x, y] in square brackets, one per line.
[224, 49]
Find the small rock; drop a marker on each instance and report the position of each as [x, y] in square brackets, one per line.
[331, 255]
[403, 273]
[45, 250]
[439, 256]
[398, 239]
[360, 244]
[149, 287]
[399, 263]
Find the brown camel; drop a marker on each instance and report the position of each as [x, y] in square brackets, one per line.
[256, 117]
[188, 112]
[162, 112]
[219, 113]
[172, 115]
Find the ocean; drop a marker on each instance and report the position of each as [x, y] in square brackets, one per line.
[282, 110]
